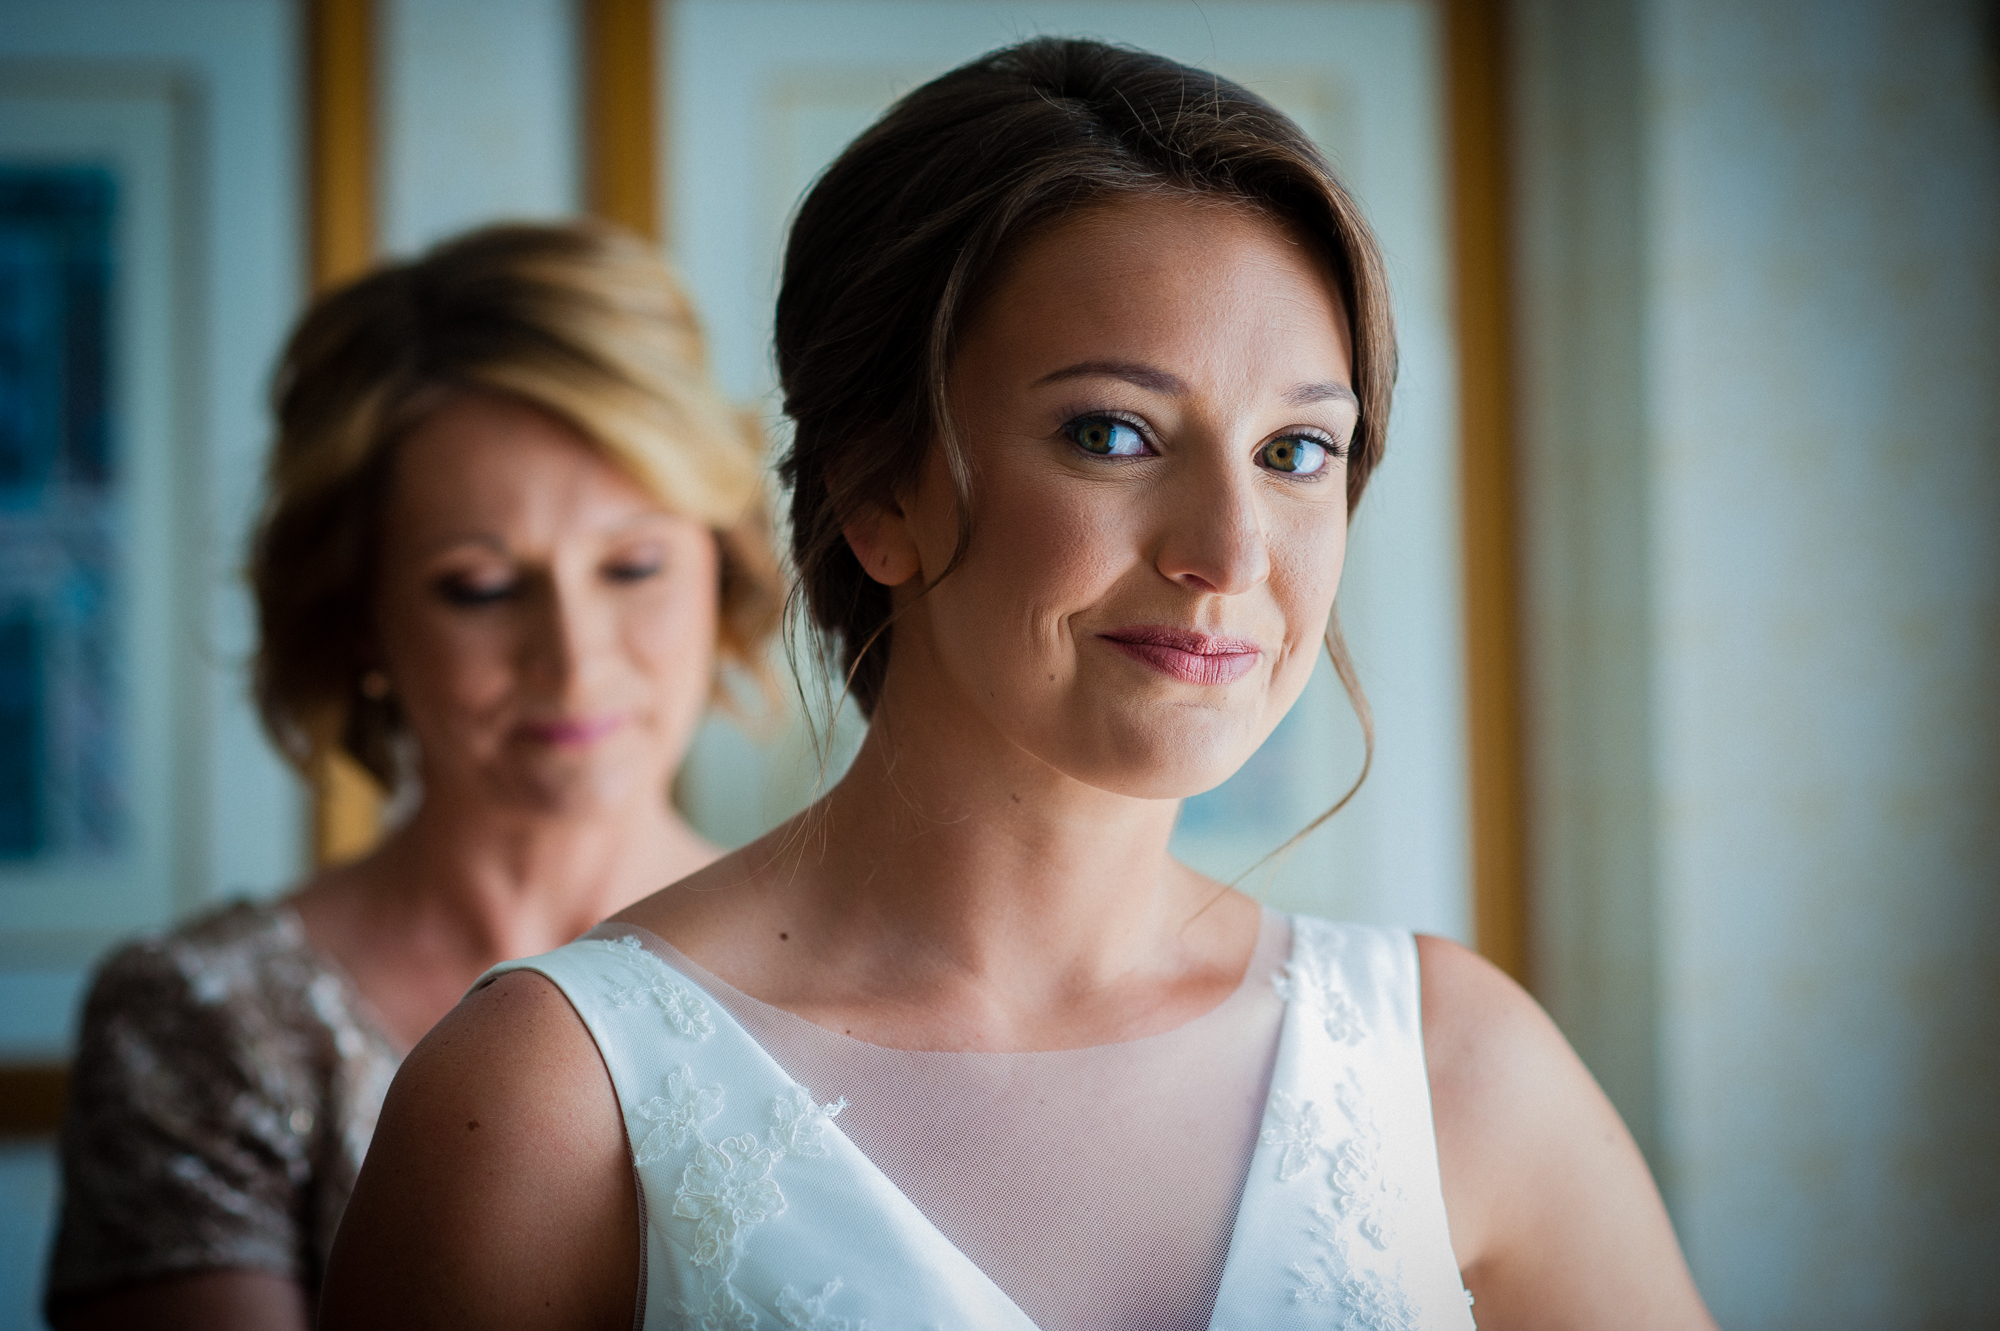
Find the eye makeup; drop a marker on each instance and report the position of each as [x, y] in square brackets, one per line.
[1104, 435]
[470, 591]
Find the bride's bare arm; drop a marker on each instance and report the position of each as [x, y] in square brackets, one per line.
[1553, 1214]
[497, 1192]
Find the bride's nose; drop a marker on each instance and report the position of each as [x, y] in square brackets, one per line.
[1213, 537]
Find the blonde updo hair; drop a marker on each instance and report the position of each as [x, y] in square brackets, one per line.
[580, 320]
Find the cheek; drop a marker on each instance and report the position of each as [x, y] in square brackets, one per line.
[669, 635]
[1306, 568]
[1039, 553]
[448, 664]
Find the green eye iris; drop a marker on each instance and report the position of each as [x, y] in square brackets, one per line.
[1106, 437]
[1295, 456]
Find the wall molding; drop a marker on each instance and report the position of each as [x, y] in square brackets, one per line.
[340, 61]
[31, 1098]
[1476, 92]
[621, 132]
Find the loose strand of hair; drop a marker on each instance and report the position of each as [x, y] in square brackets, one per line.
[1350, 681]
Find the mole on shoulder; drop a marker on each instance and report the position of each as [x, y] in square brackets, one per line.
[783, 937]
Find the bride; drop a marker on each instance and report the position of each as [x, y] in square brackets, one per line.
[1089, 358]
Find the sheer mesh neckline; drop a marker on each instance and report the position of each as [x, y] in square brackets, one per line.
[1266, 955]
[1097, 1187]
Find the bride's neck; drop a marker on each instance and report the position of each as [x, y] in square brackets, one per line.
[995, 862]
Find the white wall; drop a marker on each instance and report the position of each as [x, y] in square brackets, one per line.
[1762, 275]
[478, 115]
[28, 1189]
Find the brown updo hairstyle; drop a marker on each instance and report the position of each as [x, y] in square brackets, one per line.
[893, 247]
[580, 320]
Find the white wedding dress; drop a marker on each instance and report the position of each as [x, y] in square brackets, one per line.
[1270, 1164]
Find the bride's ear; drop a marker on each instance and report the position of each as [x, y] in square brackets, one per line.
[880, 538]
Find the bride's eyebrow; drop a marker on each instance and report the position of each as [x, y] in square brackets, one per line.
[1139, 375]
[1305, 395]
[1155, 380]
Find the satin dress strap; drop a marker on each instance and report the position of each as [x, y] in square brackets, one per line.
[758, 1212]
[1343, 1220]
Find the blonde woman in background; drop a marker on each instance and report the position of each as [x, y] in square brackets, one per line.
[511, 531]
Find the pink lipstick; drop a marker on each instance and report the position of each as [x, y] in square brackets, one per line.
[1189, 656]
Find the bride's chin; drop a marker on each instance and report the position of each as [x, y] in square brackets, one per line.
[1160, 771]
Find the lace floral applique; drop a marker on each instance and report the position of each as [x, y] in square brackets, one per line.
[685, 1010]
[726, 1189]
[1369, 1302]
[1298, 1133]
[726, 1311]
[802, 1313]
[676, 1116]
[1309, 979]
[1361, 1188]
[798, 1126]
[1345, 1138]
[624, 944]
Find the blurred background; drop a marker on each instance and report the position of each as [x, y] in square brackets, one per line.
[1678, 597]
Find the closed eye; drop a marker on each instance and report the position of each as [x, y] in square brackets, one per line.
[633, 570]
[472, 593]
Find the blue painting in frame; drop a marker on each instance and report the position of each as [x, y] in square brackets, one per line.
[61, 764]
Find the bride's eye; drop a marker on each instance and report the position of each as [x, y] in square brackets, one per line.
[1295, 455]
[1106, 437]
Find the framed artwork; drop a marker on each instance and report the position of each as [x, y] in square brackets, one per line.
[63, 774]
[93, 837]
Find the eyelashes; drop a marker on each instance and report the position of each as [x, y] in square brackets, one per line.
[1296, 455]
[1303, 454]
[471, 592]
[1107, 437]
[634, 570]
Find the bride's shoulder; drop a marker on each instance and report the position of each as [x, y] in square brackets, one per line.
[462, 1177]
[1485, 1039]
[1533, 1158]
[1464, 993]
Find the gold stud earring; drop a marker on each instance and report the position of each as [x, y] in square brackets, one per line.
[374, 685]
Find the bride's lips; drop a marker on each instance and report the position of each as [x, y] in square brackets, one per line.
[1186, 655]
[570, 732]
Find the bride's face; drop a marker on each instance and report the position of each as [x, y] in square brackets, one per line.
[1155, 400]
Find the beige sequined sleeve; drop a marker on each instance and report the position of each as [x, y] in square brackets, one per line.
[223, 1094]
